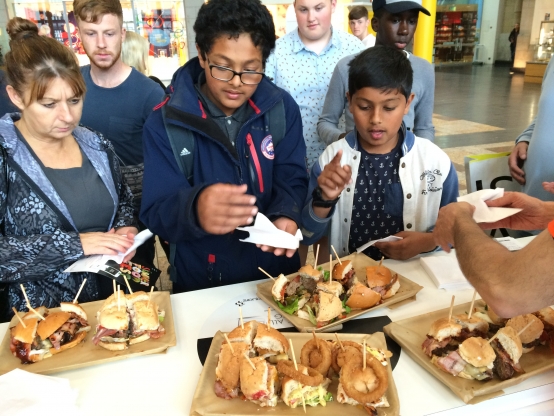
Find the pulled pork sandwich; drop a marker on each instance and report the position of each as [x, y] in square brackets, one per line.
[487, 314]
[532, 334]
[507, 346]
[58, 332]
[471, 327]
[474, 360]
[260, 384]
[441, 338]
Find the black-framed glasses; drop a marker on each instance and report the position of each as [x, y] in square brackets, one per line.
[223, 73]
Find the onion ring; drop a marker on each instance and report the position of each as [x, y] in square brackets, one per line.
[355, 366]
[317, 358]
[313, 378]
[338, 356]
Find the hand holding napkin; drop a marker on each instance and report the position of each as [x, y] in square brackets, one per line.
[483, 213]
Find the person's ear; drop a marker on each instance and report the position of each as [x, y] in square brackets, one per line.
[123, 34]
[14, 97]
[349, 100]
[375, 24]
[409, 103]
[333, 5]
[201, 57]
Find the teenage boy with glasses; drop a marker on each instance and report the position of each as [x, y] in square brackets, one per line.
[224, 100]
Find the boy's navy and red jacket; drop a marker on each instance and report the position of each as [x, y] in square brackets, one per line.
[277, 177]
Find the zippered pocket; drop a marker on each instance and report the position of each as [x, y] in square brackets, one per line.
[256, 161]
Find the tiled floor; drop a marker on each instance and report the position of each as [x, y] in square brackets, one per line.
[478, 110]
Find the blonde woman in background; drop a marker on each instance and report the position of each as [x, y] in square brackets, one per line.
[135, 51]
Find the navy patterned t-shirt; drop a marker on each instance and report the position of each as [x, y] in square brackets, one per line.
[378, 201]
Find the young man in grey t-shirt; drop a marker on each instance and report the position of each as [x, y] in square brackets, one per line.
[395, 23]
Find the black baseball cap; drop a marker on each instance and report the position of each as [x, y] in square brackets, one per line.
[399, 6]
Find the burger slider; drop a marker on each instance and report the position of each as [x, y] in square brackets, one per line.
[487, 314]
[474, 359]
[270, 342]
[471, 326]
[259, 381]
[289, 295]
[546, 315]
[333, 287]
[26, 345]
[227, 372]
[344, 273]
[441, 337]
[507, 346]
[381, 280]
[532, 334]
[246, 334]
[359, 296]
[309, 277]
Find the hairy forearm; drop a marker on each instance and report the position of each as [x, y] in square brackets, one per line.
[512, 283]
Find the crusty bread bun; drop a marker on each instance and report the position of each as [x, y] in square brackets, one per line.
[472, 324]
[329, 307]
[533, 332]
[333, 287]
[511, 343]
[340, 270]
[112, 318]
[228, 364]
[145, 316]
[477, 352]
[75, 308]
[393, 289]
[546, 315]
[377, 276]
[113, 346]
[79, 337]
[132, 298]
[362, 297]
[253, 381]
[52, 323]
[443, 328]
[25, 335]
[277, 289]
[141, 338]
[42, 310]
[111, 301]
[309, 272]
[244, 335]
[270, 342]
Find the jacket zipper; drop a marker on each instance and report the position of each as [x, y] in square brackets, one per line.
[256, 161]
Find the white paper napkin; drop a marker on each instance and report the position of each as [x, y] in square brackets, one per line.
[366, 245]
[483, 213]
[264, 232]
[28, 394]
[444, 270]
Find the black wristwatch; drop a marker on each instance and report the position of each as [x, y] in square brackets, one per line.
[318, 201]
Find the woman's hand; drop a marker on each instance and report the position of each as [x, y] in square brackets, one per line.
[130, 232]
[110, 243]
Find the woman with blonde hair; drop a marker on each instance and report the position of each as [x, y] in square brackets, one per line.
[135, 51]
[62, 195]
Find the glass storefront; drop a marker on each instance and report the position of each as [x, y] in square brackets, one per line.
[162, 23]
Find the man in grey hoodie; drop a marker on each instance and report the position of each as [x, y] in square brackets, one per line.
[394, 22]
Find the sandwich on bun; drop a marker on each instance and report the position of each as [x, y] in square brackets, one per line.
[290, 295]
[269, 342]
[344, 273]
[546, 315]
[531, 336]
[471, 327]
[381, 280]
[227, 372]
[359, 296]
[487, 314]
[507, 346]
[259, 385]
[474, 360]
[441, 337]
[309, 277]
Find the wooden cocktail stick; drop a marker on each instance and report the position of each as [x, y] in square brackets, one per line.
[471, 306]
[336, 255]
[249, 361]
[266, 273]
[316, 255]
[79, 292]
[18, 317]
[230, 345]
[340, 343]
[451, 308]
